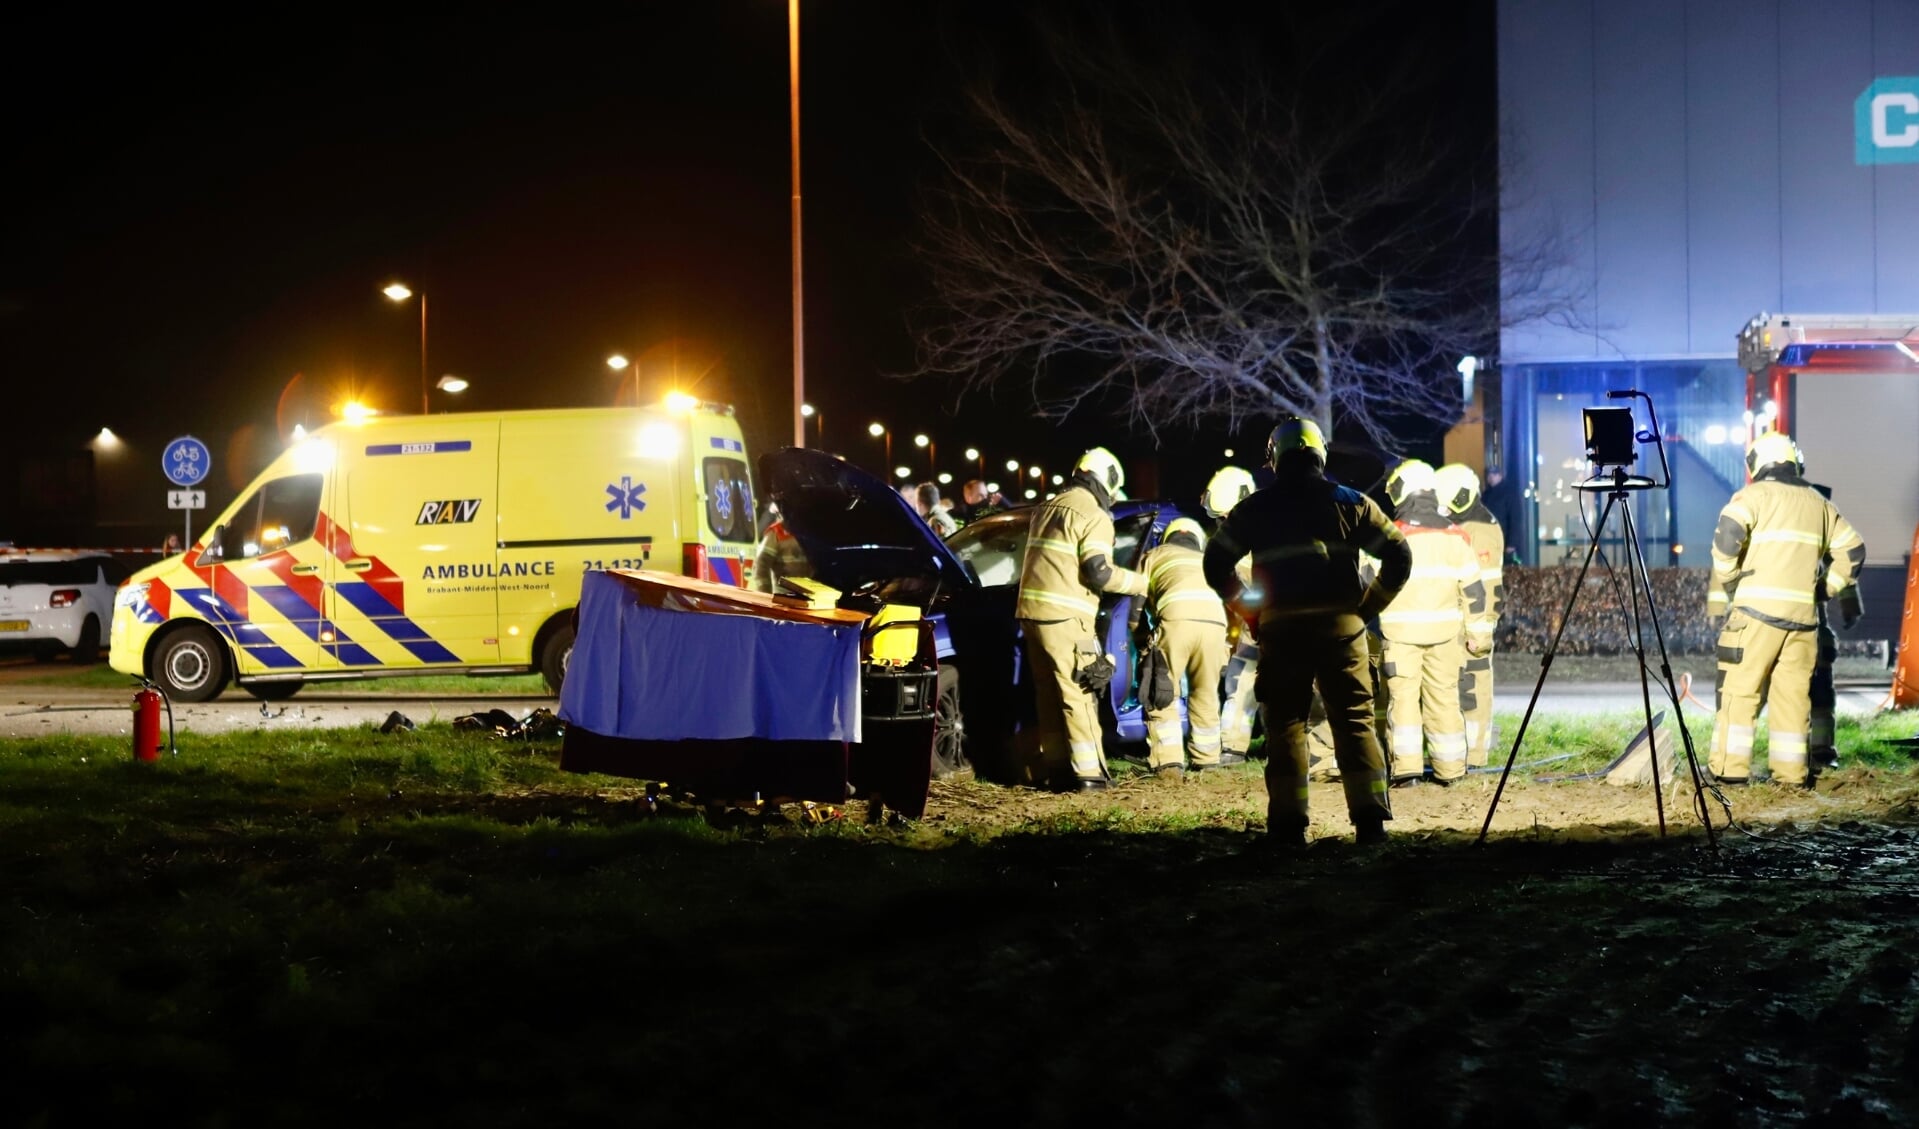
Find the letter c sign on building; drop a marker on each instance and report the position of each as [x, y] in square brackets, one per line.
[1885, 123]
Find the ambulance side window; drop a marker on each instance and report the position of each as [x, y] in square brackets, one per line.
[282, 512]
[729, 500]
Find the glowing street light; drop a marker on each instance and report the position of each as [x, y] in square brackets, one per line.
[451, 384]
[902, 472]
[945, 479]
[878, 431]
[932, 450]
[972, 454]
[107, 440]
[400, 292]
[619, 362]
[1034, 471]
[1012, 465]
[808, 411]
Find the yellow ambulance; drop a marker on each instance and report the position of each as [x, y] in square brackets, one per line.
[446, 543]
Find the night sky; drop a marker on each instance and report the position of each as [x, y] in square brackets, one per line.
[197, 210]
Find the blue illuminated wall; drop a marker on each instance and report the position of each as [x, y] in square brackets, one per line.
[1702, 160]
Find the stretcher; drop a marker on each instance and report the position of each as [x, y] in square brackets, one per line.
[734, 698]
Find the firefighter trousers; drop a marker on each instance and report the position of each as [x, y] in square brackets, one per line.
[1195, 651]
[1422, 684]
[1069, 736]
[1295, 656]
[1762, 663]
[1237, 700]
[1825, 697]
[1476, 703]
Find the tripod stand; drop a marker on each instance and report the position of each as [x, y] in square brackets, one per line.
[1618, 488]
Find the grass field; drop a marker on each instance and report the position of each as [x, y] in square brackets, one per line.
[434, 927]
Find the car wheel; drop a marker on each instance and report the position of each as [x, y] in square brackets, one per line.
[86, 650]
[272, 691]
[191, 665]
[555, 655]
[949, 730]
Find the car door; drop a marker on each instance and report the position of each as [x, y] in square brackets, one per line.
[1133, 534]
[994, 683]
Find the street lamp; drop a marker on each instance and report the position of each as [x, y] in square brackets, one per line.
[618, 363]
[974, 456]
[1012, 466]
[399, 292]
[878, 431]
[932, 451]
[450, 384]
[808, 411]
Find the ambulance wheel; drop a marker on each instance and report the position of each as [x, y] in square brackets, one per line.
[272, 691]
[554, 656]
[191, 665]
[87, 649]
[949, 730]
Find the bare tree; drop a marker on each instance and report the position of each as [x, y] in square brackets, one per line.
[1207, 248]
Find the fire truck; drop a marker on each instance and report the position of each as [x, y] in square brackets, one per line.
[1846, 388]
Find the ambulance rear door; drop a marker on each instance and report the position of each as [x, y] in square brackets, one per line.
[721, 499]
[414, 575]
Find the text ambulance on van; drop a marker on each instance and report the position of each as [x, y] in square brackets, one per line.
[448, 543]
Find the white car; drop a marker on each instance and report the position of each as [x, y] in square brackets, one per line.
[57, 601]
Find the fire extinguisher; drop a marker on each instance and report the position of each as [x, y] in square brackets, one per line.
[146, 722]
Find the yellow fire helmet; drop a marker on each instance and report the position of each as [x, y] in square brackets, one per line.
[1295, 434]
[1770, 448]
[1228, 488]
[1457, 486]
[1100, 463]
[1189, 527]
[1408, 478]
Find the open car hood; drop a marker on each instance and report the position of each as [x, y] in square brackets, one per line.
[856, 530]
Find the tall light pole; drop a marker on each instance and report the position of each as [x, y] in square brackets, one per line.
[618, 363]
[878, 431]
[973, 455]
[799, 334]
[398, 292]
[932, 451]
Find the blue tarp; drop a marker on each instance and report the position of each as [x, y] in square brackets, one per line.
[649, 673]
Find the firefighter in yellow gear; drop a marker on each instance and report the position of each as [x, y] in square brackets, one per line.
[1438, 619]
[1780, 548]
[1068, 566]
[1227, 488]
[1189, 630]
[1308, 606]
[1457, 488]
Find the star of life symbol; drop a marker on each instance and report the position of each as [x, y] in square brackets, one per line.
[626, 496]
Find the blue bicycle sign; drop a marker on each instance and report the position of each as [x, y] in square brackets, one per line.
[186, 461]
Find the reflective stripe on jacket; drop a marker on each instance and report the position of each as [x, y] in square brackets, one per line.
[1779, 549]
[1489, 542]
[1307, 537]
[1176, 585]
[1444, 595]
[1069, 560]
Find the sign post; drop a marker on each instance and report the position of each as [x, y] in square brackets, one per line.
[186, 462]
